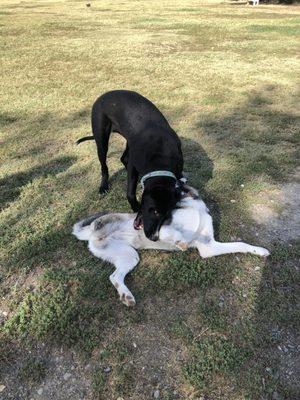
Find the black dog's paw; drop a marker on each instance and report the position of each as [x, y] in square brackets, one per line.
[103, 189]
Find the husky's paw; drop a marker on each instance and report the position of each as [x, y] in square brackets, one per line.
[125, 294]
[127, 299]
[260, 251]
[181, 245]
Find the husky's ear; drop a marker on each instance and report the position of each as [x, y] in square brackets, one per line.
[190, 191]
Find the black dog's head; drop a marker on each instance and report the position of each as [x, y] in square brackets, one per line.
[156, 206]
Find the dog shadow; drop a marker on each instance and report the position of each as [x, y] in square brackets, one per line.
[198, 167]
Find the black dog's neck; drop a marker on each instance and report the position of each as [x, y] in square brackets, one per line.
[157, 181]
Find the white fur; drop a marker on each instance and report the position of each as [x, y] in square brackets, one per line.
[116, 240]
[82, 233]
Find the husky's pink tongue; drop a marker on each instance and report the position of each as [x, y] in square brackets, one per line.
[138, 223]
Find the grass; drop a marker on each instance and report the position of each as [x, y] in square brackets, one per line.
[226, 77]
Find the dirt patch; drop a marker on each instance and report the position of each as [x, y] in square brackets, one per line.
[159, 355]
[43, 373]
[156, 354]
[277, 214]
[289, 351]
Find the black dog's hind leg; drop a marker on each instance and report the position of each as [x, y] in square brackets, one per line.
[132, 180]
[124, 158]
[101, 126]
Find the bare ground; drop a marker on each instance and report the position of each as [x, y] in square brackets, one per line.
[277, 213]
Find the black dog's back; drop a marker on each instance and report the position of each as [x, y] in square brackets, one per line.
[129, 112]
[153, 143]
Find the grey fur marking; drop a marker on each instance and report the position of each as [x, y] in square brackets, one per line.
[190, 192]
[87, 221]
[107, 219]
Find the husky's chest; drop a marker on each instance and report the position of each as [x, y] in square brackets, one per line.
[190, 217]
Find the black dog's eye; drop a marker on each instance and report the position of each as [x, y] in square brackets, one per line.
[154, 211]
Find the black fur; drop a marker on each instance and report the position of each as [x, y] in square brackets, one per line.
[151, 145]
[84, 139]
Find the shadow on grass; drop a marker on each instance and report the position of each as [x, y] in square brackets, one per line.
[257, 139]
[237, 3]
[8, 119]
[199, 169]
[11, 185]
[39, 128]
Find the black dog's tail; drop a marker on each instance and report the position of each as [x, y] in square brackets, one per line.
[84, 139]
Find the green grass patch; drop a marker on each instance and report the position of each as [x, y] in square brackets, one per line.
[213, 356]
[288, 30]
[57, 315]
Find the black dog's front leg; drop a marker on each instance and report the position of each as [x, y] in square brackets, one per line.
[132, 180]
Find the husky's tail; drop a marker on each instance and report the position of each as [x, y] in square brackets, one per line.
[82, 229]
[83, 139]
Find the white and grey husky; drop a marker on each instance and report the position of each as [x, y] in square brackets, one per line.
[112, 237]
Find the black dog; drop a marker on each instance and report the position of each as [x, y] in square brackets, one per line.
[153, 151]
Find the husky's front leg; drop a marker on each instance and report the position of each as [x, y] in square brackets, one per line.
[170, 235]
